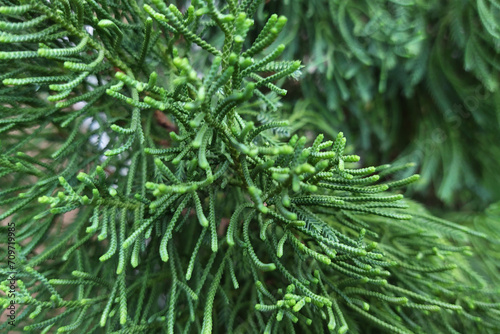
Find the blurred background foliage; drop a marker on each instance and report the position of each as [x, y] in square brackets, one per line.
[407, 81]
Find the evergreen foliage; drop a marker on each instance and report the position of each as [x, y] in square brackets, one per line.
[416, 80]
[156, 188]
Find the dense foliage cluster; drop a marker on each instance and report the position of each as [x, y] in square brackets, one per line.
[416, 80]
[156, 187]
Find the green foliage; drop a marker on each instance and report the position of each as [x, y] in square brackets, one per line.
[417, 80]
[154, 187]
